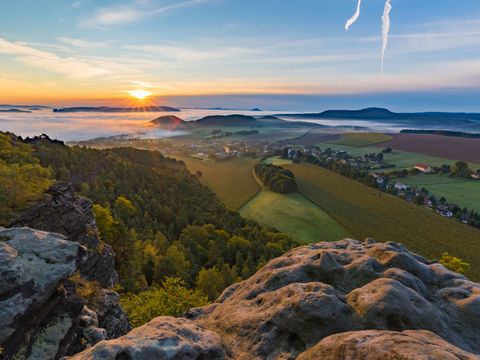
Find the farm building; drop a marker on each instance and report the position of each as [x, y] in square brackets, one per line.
[423, 168]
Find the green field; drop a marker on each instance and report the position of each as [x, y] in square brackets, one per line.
[231, 180]
[361, 139]
[366, 212]
[294, 215]
[402, 159]
[277, 160]
[463, 192]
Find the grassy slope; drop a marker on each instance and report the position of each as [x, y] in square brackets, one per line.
[231, 180]
[362, 139]
[295, 215]
[367, 212]
[462, 192]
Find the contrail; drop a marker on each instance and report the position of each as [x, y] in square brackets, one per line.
[355, 16]
[385, 28]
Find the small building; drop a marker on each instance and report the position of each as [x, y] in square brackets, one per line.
[380, 180]
[400, 186]
[423, 168]
[475, 176]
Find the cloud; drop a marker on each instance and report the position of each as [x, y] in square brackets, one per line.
[138, 10]
[77, 4]
[189, 54]
[68, 66]
[80, 43]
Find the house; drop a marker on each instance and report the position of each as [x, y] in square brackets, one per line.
[444, 210]
[400, 186]
[379, 179]
[475, 176]
[423, 168]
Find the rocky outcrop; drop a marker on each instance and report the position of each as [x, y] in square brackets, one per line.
[381, 345]
[340, 300]
[162, 338]
[63, 212]
[42, 315]
[36, 312]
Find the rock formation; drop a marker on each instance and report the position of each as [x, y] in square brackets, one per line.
[341, 300]
[63, 212]
[43, 313]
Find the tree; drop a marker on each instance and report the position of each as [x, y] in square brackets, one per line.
[174, 263]
[461, 169]
[211, 282]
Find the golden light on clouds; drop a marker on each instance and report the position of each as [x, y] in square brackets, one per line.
[140, 94]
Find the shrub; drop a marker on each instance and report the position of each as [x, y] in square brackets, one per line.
[172, 298]
[454, 263]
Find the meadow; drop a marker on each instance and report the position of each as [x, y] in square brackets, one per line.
[294, 215]
[362, 139]
[231, 180]
[366, 212]
[463, 192]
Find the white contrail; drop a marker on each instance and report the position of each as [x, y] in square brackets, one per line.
[355, 16]
[385, 29]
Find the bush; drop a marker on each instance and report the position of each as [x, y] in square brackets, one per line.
[172, 298]
[454, 263]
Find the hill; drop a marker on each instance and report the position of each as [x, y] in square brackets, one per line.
[14, 111]
[107, 109]
[169, 122]
[250, 121]
[469, 121]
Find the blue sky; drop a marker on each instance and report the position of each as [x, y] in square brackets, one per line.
[279, 54]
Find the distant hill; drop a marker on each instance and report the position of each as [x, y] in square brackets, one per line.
[466, 120]
[106, 109]
[169, 122]
[14, 111]
[29, 107]
[256, 109]
[244, 120]
[227, 120]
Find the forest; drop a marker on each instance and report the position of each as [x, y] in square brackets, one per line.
[276, 178]
[160, 220]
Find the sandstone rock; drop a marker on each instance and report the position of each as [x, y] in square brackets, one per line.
[162, 338]
[340, 300]
[319, 290]
[381, 345]
[63, 212]
[111, 315]
[35, 312]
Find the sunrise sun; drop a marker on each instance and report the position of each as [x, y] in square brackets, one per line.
[140, 94]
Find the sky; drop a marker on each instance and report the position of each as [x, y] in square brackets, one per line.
[274, 54]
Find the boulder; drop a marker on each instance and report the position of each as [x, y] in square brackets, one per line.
[381, 345]
[162, 338]
[42, 315]
[36, 311]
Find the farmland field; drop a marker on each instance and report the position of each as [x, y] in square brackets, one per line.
[294, 215]
[362, 139]
[366, 212]
[402, 159]
[449, 147]
[231, 180]
[463, 192]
